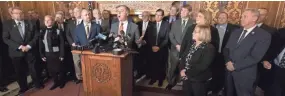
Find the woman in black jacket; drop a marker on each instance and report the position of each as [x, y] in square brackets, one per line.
[203, 18]
[51, 44]
[195, 62]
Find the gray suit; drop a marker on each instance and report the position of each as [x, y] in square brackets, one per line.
[176, 36]
[132, 32]
[245, 57]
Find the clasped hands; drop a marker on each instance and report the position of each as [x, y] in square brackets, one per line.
[230, 66]
[24, 48]
[155, 48]
[141, 41]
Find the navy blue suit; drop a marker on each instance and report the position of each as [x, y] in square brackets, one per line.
[80, 37]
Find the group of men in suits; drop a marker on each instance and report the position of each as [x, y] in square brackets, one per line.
[250, 53]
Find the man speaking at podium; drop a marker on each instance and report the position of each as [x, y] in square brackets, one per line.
[83, 33]
[129, 29]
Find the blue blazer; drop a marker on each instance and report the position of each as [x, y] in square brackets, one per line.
[80, 37]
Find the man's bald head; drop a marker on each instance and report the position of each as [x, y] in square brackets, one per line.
[263, 15]
[86, 15]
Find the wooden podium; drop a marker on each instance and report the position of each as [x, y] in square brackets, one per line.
[105, 74]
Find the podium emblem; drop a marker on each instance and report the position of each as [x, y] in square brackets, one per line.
[101, 73]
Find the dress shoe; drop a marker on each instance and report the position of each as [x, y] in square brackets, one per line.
[3, 89]
[151, 82]
[160, 83]
[78, 81]
[55, 85]
[169, 87]
[62, 85]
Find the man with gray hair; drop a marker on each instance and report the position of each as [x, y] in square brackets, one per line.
[128, 28]
[243, 51]
[74, 68]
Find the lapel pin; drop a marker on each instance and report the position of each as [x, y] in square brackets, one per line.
[252, 33]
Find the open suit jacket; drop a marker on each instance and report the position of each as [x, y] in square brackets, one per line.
[12, 37]
[132, 33]
[80, 36]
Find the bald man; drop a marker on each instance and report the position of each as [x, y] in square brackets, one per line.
[70, 38]
[83, 33]
[264, 79]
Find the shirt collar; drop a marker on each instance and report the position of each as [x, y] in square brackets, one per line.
[259, 24]
[250, 29]
[224, 25]
[124, 22]
[85, 24]
[19, 21]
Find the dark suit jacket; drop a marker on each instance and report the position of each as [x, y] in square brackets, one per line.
[69, 32]
[277, 46]
[148, 29]
[80, 33]
[272, 32]
[230, 28]
[248, 52]
[162, 38]
[200, 61]
[12, 37]
[60, 38]
[105, 26]
[215, 39]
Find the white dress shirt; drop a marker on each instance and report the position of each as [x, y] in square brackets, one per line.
[248, 31]
[277, 60]
[145, 24]
[259, 24]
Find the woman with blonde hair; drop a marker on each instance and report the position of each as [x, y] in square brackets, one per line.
[195, 62]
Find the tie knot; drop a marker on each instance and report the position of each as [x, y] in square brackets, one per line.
[122, 24]
[245, 31]
[19, 23]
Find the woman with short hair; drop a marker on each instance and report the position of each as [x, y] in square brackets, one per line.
[195, 62]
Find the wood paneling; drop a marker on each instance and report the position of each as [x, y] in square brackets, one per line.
[276, 9]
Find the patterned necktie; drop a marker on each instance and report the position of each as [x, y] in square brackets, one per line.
[121, 28]
[282, 62]
[242, 36]
[87, 30]
[21, 30]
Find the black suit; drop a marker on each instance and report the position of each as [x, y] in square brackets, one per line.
[1, 55]
[68, 60]
[199, 71]
[262, 80]
[158, 60]
[276, 75]
[217, 82]
[141, 65]
[22, 60]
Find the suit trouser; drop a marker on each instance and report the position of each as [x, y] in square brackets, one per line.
[239, 86]
[22, 66]
[1, 72]
[77, 66]
[218, 74]
[278, 86]
[191, 88]
[173, 75]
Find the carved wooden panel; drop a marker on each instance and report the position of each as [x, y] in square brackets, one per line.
[136, 6]
[233, 8]
[282, 17]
